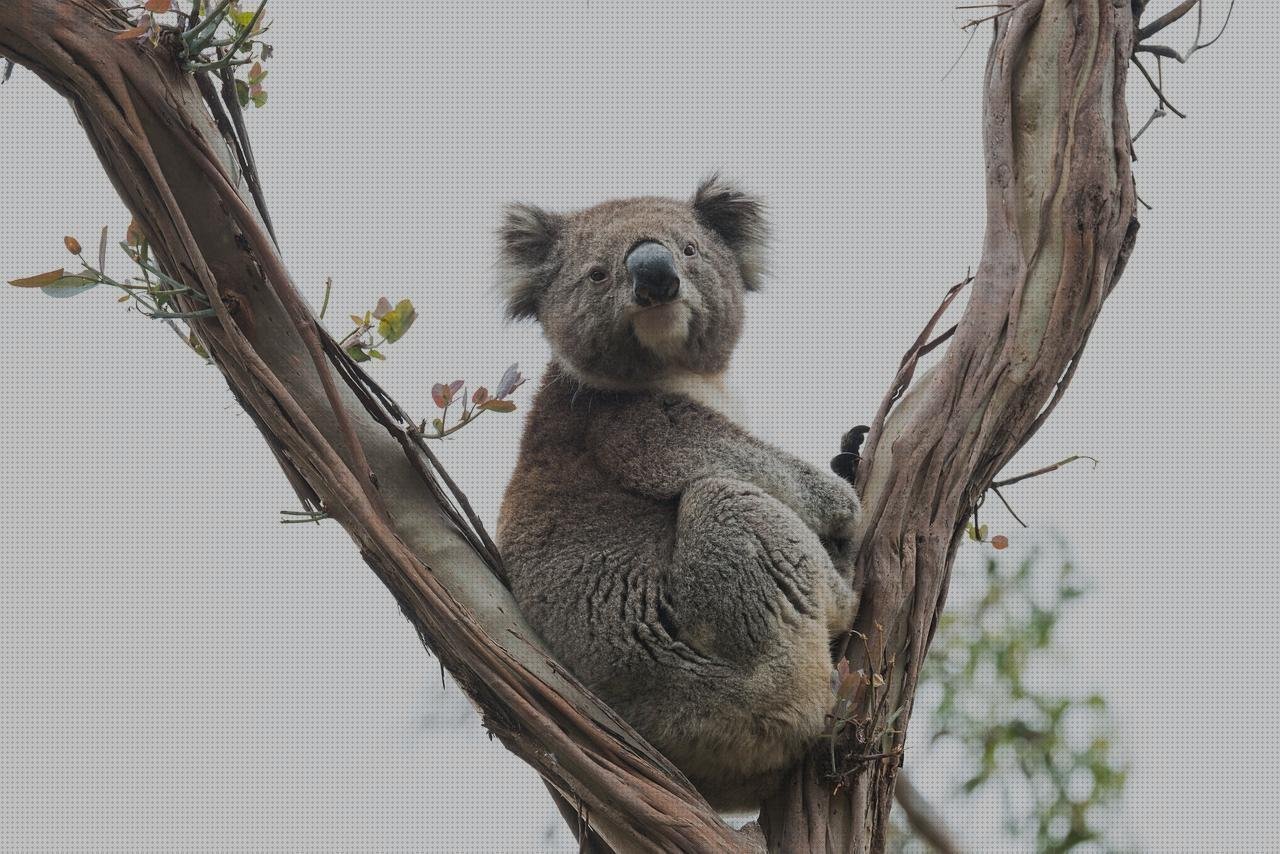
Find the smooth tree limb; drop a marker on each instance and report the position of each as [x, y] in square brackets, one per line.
[1060, 203]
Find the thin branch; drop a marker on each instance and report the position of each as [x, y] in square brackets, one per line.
[1170, 17]
[1015, 516]
[1045, 470]
[924, 818]
[1155, 87]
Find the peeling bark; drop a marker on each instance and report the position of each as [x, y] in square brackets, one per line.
[1060, 225]
[1060, 207]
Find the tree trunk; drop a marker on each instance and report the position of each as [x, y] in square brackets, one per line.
[1060, 205]
[1060, 226]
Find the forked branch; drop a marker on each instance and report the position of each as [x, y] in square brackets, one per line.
[1059, 212]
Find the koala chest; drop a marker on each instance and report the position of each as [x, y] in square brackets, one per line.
[709, 391]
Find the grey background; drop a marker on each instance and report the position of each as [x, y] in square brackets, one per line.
[179, 670]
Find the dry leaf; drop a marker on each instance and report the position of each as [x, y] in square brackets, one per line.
[133, 33]
[39, 281]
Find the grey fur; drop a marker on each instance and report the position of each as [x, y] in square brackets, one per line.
[689, 573]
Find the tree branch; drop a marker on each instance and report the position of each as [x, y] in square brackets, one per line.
[172, 166]
[1060, 203]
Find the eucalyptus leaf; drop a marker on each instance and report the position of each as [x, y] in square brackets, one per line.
[69, 286]
[395, 323]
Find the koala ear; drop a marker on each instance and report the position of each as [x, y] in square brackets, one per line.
[738, 220]
[528, 237]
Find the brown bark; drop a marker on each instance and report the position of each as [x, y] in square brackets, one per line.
[1060, 203]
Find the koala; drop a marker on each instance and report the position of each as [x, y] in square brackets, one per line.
[688, 573]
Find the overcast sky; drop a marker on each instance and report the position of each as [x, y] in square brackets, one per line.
[177, 669]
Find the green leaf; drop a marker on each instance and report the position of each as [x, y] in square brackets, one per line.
[357, 353]
[395, 323]
[375, 354]
[242, 92]
[69, 286]
[241, 19]
[259, 96]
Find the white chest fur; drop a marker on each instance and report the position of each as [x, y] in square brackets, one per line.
[708, 390]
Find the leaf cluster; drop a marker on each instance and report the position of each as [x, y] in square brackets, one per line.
[1044, 751]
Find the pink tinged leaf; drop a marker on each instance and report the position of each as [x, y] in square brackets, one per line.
[510, 379]
[382, 308]
[481, 395]
[440, 395]
[455, 387]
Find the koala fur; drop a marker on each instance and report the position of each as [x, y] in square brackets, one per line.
[687, 572]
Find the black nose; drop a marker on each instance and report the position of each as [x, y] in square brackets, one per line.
[653, 274]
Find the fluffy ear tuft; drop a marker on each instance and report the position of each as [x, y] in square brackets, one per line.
[529, 236]
[738, 219]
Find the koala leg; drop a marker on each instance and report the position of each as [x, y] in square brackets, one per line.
[753, 588]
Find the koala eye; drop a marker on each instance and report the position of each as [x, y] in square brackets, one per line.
[598, 274]
[690, 249]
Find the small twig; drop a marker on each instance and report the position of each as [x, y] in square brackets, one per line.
[1155, 87]
[1046, 470]
[1157, 113]
[1015, 516]
[1199, 21]
[973, 31]
[1005, 8]
[871, 757]
[328, 289]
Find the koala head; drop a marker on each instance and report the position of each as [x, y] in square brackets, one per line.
[635, 290]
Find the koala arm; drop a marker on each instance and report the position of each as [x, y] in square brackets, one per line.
[659, 446]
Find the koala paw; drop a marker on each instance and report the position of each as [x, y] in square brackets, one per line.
[845, 463]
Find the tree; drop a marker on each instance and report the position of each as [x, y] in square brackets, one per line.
[995, 692]
[1059, 229]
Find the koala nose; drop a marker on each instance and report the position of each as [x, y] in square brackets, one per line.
[653, 274]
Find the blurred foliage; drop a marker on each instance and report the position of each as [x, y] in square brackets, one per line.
[995, 689]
